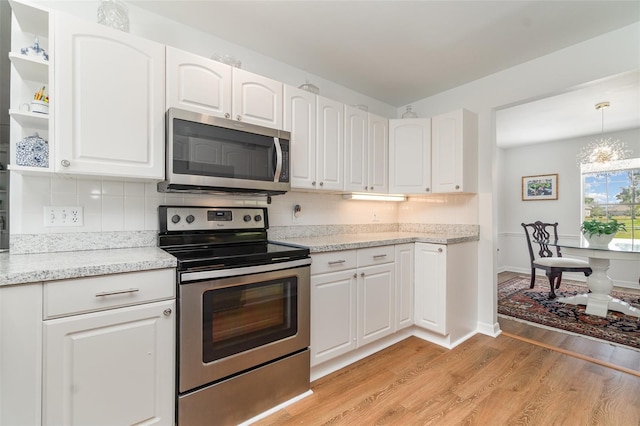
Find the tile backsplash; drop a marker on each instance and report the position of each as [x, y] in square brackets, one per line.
[124, 213]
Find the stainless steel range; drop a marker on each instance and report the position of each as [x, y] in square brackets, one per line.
[243, 313]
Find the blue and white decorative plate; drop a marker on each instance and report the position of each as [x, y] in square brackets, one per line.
[32, 151]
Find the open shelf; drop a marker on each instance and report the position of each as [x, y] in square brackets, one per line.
[30, 119]
[30, 68]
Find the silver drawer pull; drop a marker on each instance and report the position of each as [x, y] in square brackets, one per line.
[336, 262]
[113, 293]
[379, 256]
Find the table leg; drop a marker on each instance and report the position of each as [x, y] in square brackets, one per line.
[599, 301]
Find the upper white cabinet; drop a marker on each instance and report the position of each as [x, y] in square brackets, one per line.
[410, 156]
[329, 144]
[378, 154]
[198, 84]
[454, 144]
[109, 101]
[356, 142]
[366, 151]
[256, 99]
[300, 121]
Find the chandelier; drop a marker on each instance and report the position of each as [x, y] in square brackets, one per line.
[603, 150]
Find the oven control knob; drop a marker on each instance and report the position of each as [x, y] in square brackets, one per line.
[257, 218]
[247, 218]
[190, 218]
[175, 218]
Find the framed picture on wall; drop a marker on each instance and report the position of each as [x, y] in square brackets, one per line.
[540, 187]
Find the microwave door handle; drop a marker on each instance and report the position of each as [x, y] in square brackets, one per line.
[278, 151]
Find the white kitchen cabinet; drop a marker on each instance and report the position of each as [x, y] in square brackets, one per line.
[366, 151]
[109, 101]
[109, 349]
[256, 99]
[378, 154]
[356, 152]
[454, 142]
[29, 74]
[352, 300]
[300, 121]
[376, 293]
[198, 84]
[329, 145]
[333, 315]
[410, 156]
[446, 288]
[404, 261]
[111, 367]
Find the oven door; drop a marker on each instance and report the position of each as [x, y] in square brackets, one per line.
[229, 325]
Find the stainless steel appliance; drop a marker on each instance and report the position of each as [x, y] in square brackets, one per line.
[211, 154]
[243, 313]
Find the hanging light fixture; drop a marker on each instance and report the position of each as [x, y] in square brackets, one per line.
[603, 150]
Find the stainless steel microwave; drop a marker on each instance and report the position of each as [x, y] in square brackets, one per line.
[211, 154]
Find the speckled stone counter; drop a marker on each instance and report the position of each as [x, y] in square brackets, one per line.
[326, 243]
[37, 267]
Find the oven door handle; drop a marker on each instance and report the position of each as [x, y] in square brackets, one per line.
[233, 272]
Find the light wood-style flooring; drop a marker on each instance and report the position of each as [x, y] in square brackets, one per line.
[484, 381]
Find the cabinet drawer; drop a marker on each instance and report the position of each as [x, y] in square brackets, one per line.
[80, 295]
[376, 255]
[333, 261]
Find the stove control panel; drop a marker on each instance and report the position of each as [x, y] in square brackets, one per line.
[182, 218]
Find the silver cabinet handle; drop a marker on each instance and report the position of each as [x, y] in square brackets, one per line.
[65, 163]
[457, 186]
[336, 262]
[362, 274]
[379, 256]
[113, 293]
[167, 312]
[321, 183]
[227, 115]
[313, 183]
[239, 118]
[428, 189]
[366, 187]
[355, 275]
[440, 250]
[372, 188]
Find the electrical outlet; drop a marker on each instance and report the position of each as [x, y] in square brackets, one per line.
[375, 217]
[63, 216]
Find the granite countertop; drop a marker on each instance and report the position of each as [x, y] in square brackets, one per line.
[354, 241]
[37, 267]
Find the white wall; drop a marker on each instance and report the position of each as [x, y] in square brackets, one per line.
[553, 157]
[610, 54]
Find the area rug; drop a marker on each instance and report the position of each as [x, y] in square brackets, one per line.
[517, 300]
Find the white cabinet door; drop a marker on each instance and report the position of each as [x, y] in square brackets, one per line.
[376, 302]
[329, 144]
[300, 121]
[356, 152]
[378, 154]
[109, 101]
[454, 148]
[111, 367]
[333, 315]
[198, 84]
[404, 285]
[430, 286]
[410, 156]
[256, 99]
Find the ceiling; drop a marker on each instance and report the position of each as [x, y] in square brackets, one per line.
[400, 51]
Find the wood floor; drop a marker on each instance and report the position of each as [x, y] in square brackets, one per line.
[484, 381]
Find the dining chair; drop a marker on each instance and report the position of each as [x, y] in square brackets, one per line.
[542, 233]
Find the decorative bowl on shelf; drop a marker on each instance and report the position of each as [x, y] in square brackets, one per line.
[41, 107]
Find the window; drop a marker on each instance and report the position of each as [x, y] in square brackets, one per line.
[613, 192]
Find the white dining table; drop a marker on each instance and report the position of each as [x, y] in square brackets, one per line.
[599, 300]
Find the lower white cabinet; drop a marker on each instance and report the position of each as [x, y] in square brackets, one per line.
[445, 288]
[404, 260]
[352, 300]
[110, 367]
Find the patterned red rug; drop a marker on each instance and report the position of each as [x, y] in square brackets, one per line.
[517, 300]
